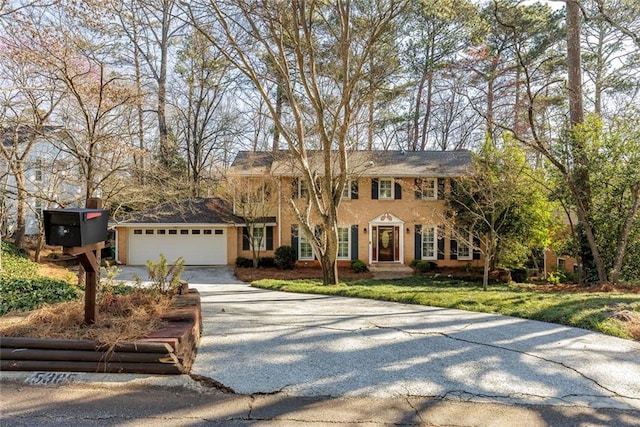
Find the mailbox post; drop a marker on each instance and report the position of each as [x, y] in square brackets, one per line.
[82, 233]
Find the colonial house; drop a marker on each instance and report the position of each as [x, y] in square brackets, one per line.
[392, 211]
[46, 170]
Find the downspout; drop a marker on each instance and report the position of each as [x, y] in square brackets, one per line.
[279, 219]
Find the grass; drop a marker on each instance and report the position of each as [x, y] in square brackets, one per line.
[594, 311]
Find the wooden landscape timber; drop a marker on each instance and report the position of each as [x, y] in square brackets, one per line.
[169, 350]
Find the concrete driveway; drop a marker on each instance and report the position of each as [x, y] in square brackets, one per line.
[264, 342]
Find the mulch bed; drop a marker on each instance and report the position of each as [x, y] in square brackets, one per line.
[252, 274]
[169, 349]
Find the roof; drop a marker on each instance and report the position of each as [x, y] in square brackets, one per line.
[360, 163]
[24, 133]
[191, 211]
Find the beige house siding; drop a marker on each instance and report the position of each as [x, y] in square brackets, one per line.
[361, 211]
[122, 244]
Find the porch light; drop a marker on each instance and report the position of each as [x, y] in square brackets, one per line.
[364, 230]
[408, 230]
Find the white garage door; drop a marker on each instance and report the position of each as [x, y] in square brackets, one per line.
[198, 246]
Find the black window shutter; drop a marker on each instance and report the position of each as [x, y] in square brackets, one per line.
[354, 242]
[374, 188]
[294, 238]
[440, 243]
[294, 188]
[354, 189]
[440, 188]
[269, 236]
[454, 187]
[418, 242]
[476, 248]
[245, 239]
[397, 194]
[418, 185]
[454, 247]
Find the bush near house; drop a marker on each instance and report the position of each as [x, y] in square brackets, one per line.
[285, 257]
[22, 289]
[358, 266]
[243, 262]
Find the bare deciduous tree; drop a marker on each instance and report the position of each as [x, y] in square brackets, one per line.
[315, 59]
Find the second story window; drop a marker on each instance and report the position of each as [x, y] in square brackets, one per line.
[385, 188]
[346, 191]
[428, 189]
[303, 189]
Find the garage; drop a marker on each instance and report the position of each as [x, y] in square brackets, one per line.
[199, 230]
[197, 245]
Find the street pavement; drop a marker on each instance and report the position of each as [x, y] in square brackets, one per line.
[291, 358]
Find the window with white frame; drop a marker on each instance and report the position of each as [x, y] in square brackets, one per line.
[305, 252]
[343, 243]
[385, 188]
[303, 189]
[346, 191]
[429, 242]
[38, 170]
[464, 239]
[428, 189]
[258, 237]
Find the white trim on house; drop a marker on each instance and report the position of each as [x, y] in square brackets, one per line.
[385, 220]
[348, 233]
[434, 229]
[468, 242]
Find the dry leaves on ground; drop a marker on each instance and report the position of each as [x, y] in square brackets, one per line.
[120, 318]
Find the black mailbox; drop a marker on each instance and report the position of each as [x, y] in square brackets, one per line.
[75, 227]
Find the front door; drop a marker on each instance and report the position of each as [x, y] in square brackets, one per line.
[386, 243]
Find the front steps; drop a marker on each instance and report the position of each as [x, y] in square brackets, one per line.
[390, 271]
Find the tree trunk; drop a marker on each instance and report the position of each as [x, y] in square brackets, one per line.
[485, 273]
[614, 276]
[416, 114]
[427, 113]
[329, 270]
[21, 207]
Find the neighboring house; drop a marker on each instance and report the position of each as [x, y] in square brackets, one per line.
[48, 171]
[559, 261]
[393, 211]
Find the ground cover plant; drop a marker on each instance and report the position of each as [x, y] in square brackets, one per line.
[612, 313]
[23, 288]
[56, 310]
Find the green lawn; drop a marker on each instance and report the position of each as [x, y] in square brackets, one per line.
[588, 310]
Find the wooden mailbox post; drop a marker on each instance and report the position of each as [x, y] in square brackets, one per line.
[81, 233]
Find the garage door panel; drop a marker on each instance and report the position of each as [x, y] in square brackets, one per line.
[196, 248]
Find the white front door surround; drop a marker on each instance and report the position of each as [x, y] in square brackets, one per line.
[386, 239]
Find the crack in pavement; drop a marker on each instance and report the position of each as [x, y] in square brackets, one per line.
[413, 333]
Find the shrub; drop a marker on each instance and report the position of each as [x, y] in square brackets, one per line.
[285, 257]
[358, 266]
[425, 266]
[267, 262]
[520, 275]
[165, 279]
[243, 262]
[414, 263]
[556, 277]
